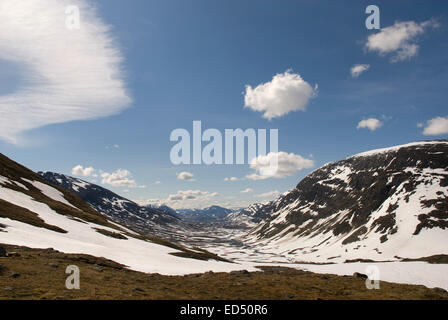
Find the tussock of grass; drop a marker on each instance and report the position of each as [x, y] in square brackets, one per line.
[111, 234]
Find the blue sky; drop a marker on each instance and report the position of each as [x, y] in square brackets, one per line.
[187, 60]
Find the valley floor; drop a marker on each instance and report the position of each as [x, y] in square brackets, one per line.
[40, 274]
[224, 242]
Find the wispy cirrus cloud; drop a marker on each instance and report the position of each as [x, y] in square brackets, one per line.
[68, 74]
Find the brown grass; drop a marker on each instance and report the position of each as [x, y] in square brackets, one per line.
[439, 258]
[111, 234]
[13, 212]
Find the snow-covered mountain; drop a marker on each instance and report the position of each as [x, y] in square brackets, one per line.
[163, 208]
[145, 220]
[37, 214]
[209, 214]
[377, 205]
[250, 216]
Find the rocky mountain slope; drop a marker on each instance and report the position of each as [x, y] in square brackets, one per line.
[378, 205]
[250, 216]
[145, 220]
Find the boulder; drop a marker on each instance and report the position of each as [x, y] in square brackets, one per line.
[2, 252]
[360, 275]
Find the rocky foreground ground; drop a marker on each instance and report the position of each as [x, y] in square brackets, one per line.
[40, 274]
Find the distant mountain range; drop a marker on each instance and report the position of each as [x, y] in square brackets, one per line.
[209, 214]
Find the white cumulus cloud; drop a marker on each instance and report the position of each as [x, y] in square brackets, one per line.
[436, 126]
[287, 165]
[357, 69]
[67, 74]
[119, 178]
[84, 172]
[185, 199]
[286, 92]
[399, 40]
[190, 195]
[185, 176]
[372, 124]
[248, 190]
[231, 179]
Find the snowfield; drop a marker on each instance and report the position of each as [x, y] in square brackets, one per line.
[421, 273]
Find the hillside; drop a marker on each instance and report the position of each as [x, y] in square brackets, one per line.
[145, 220]
[379, 205]
[37, 214]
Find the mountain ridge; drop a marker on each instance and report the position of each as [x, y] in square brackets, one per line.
[122, 210]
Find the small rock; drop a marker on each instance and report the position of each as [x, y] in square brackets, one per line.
[324, 278]
[360, 275]
[8, 288]
[97, 268]
[53, 265]
[2, 252]
[15, 275]
[239, 272]
[13, 254]
[139, 289]
[2, 269]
